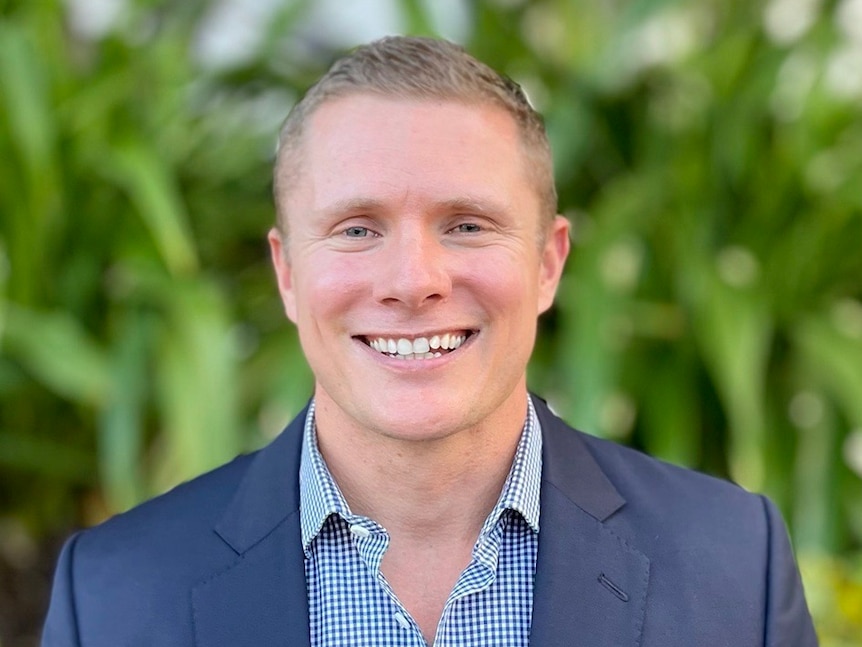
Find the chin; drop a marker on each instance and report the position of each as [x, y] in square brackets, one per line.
[419, 424]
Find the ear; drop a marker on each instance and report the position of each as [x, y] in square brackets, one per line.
[283, 271]
[554, 254]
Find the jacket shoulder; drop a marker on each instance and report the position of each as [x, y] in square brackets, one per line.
[646, 499]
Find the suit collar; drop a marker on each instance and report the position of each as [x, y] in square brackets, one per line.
[568, 465]
[260, 599]
[268, 494]
[590, 585]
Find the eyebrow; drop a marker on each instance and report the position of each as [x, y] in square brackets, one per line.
[467, 204]
[473, 205]
[352, 205]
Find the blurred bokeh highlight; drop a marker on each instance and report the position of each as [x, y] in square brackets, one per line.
[708, 153]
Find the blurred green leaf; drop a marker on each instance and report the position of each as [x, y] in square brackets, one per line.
[47, 459]
[153, 190]
[196, 384]
[121, 437]
[416, 18]
[671, 413]
[836, 359]
[59, 353]
[25, 98]
[735, 331]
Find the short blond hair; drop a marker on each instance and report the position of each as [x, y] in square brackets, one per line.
[411, 67]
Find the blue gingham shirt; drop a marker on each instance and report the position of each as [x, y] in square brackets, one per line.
[351, 603]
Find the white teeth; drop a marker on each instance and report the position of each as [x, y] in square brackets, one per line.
[419, 348]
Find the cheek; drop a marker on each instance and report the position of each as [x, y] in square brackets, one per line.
[326, 285]
[509, 285]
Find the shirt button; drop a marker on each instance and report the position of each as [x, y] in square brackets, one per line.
[359, 531]
[401, 620]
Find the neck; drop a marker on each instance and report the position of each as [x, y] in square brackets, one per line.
[421, 488]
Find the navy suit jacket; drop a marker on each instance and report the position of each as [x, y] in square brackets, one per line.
[632, 552]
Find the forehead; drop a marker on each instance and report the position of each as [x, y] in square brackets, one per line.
[371, 147]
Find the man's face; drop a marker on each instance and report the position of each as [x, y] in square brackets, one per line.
[413, 267]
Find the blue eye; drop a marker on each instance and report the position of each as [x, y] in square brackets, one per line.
[468, 228]
[356, 232]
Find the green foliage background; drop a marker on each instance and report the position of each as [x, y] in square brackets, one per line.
[709, 158]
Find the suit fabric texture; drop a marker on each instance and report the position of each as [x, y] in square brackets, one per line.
[632, 552]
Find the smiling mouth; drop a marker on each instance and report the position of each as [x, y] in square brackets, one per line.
[419, 347]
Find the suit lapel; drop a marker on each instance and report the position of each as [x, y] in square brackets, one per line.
[591, 586]
[261, 599]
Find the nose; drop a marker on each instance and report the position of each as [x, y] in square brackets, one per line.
[414, 271]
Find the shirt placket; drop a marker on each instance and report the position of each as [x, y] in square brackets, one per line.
[371, 541]
[478, 577]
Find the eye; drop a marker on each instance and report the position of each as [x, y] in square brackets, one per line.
[468, 228]
[357, 232]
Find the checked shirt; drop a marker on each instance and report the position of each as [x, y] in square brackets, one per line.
[352, 605]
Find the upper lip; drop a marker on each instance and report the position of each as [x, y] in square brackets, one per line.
[415, 335]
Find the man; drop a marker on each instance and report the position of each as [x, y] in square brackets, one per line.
[424, 497]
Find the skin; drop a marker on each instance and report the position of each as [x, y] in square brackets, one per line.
[411, 218]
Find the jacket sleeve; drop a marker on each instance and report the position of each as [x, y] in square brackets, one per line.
[788, 622]
[61, 624]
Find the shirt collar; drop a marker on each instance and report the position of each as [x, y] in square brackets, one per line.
[523, 485]
[320, 496]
